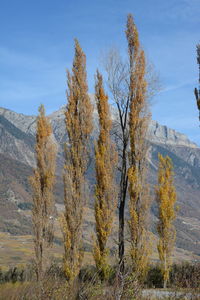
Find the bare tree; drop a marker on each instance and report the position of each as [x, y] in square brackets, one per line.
[118, 84]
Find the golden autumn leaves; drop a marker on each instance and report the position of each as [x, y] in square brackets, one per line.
[130, 159]
[166, 198]
[105, 189]
[139, 201]
[42, 182]
[79, 127]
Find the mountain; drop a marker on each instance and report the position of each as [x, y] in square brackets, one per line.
[17, 139]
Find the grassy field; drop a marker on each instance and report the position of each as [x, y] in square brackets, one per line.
[15, 250]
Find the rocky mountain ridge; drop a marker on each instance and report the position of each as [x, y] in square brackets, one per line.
[17, 139]
[160, 134]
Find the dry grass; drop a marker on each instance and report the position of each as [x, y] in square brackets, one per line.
[15, 250]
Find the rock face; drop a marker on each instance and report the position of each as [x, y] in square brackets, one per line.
[164, 135]
[17, 139]
[26, 124]
[26, 127]
[15, 142]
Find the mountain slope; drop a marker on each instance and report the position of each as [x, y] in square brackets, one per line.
[17, 136]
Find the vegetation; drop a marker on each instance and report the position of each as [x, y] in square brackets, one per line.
[197, 91]
[18, 283]
[166, 198]
[105, 191]
[79, 127]
[42, 182]
[120, 149]
[138, 123]
[128, 86]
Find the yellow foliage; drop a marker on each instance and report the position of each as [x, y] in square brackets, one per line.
[105, 191]
[79, 126]
[138, 123]
[166, 198]
[42, 182]
[138, 209]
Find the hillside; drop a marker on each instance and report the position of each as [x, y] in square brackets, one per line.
[17, 160]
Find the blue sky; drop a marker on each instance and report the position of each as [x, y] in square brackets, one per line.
[36, 47]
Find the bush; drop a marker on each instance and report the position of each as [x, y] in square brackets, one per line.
[154, 277]
[185, 275]
[25, 205]
[17, 274]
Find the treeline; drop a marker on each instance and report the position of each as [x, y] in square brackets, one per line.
[182, 275]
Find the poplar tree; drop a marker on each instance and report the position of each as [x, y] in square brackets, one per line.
[127, 91]
[105, 190]
[166, 198]
[197, 90]
[128, 86]
[138, 124]
[42, 182]
[79, 126]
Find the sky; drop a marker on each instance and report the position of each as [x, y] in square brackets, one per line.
[37, 46]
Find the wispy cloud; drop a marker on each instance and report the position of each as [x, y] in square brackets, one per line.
[179, 11]
[181, 85]
[190, 11]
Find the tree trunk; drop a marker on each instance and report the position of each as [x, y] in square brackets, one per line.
[121, 236]
[122, 200]
[165, 270]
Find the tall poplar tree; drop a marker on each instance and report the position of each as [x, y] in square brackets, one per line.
[79, 126]
[105, 190]
[42, 182]
[166, 198]
[138, 123]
